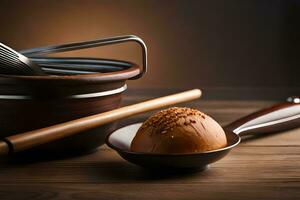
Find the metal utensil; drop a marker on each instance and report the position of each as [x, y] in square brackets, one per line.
[279, 117]
[77, 65]
[14, 63]
[89, 44]
[60, 70]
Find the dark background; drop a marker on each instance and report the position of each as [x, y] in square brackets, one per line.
[231, 48]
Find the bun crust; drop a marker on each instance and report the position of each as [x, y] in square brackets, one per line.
[179, 130]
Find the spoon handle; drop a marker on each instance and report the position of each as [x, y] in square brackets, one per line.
[279, 117]
[34, 138]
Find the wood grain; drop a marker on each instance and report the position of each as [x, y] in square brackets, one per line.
[252, 164]
[260, 168]
[151, 191]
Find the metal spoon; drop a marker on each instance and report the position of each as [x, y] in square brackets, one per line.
[279, 117]
[14, 63]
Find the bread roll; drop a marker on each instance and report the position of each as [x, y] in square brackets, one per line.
[179, 130]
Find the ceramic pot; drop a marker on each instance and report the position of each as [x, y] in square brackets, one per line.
[33, 102]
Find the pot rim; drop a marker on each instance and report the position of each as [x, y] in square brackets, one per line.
[131, 71]
[75, 96]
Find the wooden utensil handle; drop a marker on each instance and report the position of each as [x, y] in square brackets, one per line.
[34, 138]
[277, 118]
[4, 148]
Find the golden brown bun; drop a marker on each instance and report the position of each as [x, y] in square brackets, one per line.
[179, 130]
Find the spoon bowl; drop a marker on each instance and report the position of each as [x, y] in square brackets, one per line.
[121, 139]
[279, 117]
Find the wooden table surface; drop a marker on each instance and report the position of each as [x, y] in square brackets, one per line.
[263, 168]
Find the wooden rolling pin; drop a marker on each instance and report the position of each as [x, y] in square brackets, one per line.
[27, 140]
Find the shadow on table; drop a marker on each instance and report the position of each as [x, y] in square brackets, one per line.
[122, 170]
[24, 159]
[104, 167]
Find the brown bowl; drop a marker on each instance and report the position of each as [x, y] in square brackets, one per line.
[33, 102]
